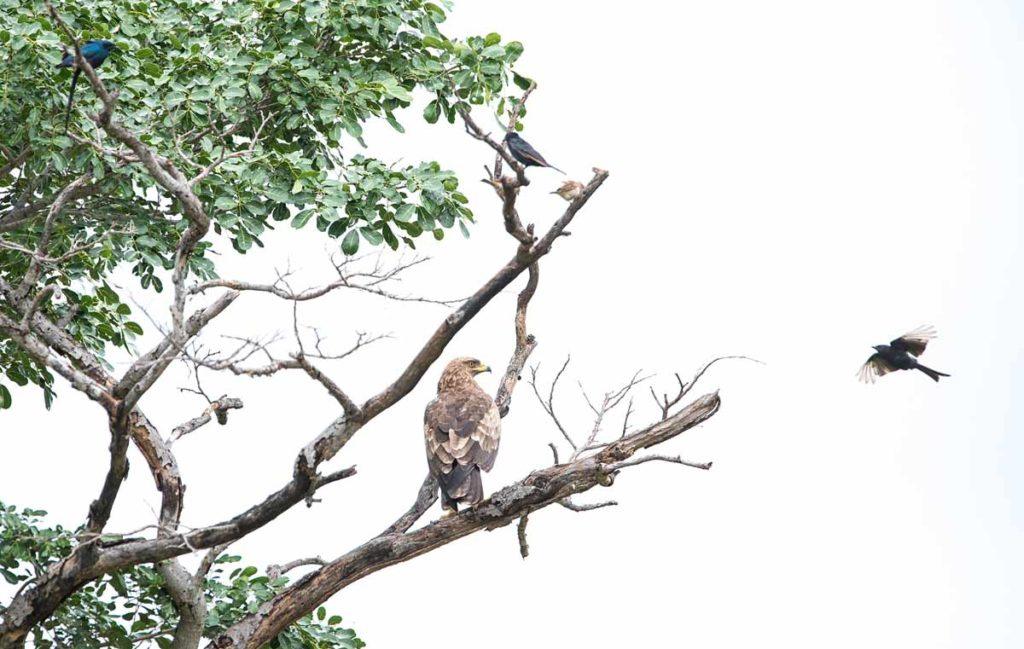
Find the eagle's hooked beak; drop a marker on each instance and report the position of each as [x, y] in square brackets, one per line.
[482, 367]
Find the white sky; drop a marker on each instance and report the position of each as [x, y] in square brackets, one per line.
[794, 181]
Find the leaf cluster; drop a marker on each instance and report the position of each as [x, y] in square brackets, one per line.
[130, 608]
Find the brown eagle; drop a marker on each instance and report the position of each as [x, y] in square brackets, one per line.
[462, 428]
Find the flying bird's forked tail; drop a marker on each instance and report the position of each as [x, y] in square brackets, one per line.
[933, 374]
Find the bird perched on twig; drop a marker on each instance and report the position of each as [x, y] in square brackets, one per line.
[570, 190]
[900, 354]
[462, 428]
[95, 52]
[526, 154]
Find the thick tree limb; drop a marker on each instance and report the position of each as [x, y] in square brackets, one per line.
[539, 489]
[189, 597]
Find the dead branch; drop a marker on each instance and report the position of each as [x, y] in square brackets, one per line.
[275, 571]
[666, 403]
[220, 407]
[661, 458]
[549, 404]
[524, 547]
[538, 490]
[349, 277]
[571, 506]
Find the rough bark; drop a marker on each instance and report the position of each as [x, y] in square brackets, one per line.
[539, 489]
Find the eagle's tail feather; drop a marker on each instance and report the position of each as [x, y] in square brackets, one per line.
[475, 493]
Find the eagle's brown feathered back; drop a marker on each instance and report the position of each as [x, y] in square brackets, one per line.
[462, 429]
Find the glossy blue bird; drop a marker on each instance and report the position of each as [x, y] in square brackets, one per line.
[95, 52]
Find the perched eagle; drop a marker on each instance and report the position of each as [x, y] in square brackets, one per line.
[462, 428]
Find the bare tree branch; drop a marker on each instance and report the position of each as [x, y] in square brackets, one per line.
[348, 278]
[540, 489]
[218, 407]
[525, 343]
[549, 404]
[661, 458]
[277, 570]
[571, 506]
[608, 403]
[524, 547]
[667, 403]
[426, 497]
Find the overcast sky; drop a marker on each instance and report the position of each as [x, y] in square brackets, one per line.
[793, 181]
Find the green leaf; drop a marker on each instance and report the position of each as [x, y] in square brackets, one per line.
[301, 218]
[5, 397]
[225, 203]
[337, 228]
[350, 244]
[406, 213]
[432, 112]
[373, 236]
[521, 81]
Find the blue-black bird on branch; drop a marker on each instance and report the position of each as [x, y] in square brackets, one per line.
[900, 354]
[526, 154]
[95, 52]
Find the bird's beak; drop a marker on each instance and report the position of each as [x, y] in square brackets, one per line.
[481, 368]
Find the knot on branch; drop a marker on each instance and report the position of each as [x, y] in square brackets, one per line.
[506, 498]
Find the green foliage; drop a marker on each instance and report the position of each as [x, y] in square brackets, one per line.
[286, 85]
[121, 608]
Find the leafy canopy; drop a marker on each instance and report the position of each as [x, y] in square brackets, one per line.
[285, 85]
[130, 608]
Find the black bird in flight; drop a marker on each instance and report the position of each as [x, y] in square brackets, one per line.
[526, 154]
[900, 354]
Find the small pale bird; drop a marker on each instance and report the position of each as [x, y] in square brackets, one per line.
[900, 354]
[570, 190]
[461, 428]
[526, 154]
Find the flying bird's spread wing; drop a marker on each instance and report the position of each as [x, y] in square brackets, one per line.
[915, 341]
[875, 367]
[462, 430]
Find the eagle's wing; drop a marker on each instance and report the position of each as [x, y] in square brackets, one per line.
[462, 430]
[874, 367]
[914, 342]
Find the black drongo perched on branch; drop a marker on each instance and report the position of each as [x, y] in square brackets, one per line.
[900, 354]
[95, 52]
[526, 154]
